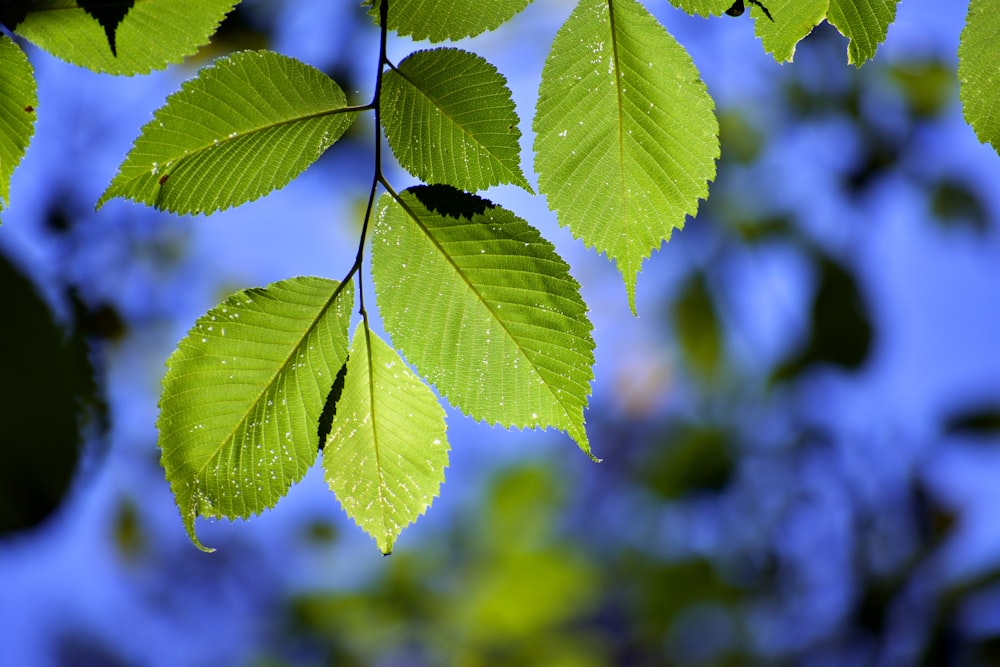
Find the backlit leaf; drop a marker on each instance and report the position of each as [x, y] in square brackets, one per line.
[152, 35]
[484, 308]
[979, 71]
[626, 139]
[386, 453]
[243, 394]
[864, 22]
[438, 21]
[243, 127]
[18, 99]
[449, 118]
[793, 20]
[703, 7]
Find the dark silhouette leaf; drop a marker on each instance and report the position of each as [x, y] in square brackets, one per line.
[109, 13]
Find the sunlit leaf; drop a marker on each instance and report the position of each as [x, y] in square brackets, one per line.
[864, 22]
[243, 394]
[245, 126]
[438, 21]
[626, 139]
[703, 7]
[18, 98]
[793, 20]
[152, 35]
[979, 71]
[449, 118]
[386, 453]
[484, 308]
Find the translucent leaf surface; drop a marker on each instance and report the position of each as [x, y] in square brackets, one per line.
[154, 33]
[386, 452]
[626, 139]
[449, 118]
[484, 308]
[703, 7]
[18, 99]
[439, 20]
[979, 71]
[793, 21]
[243, 127]
[864, 22]
[243, 394]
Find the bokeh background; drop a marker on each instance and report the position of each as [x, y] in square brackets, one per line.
[800, 431]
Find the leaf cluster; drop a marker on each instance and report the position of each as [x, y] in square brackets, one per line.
[475, 301]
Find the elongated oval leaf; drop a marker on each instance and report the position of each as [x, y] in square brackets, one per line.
[243, 394]
[18, 99]
[449, 118]
[979, 71]
[626, 139]
[793, 21]
[864, 22]
[245, 126]
[438, 21]
[484, 308]
[152, 35]
[386, 452]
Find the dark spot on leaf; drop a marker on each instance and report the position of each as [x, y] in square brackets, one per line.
[163, 179]
[29, 109]
[448, 201]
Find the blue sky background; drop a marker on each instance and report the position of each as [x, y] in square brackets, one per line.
[72, 593]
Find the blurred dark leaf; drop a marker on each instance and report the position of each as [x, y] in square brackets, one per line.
[47, 377]
[955, 203]
[128, 534]
[758, 230]
[692, 458]
[741, 142]
[880, 155]
[841, 333]
[697, 326]
[12, 12]
[109, 13]
[928, 86]
[982, 421]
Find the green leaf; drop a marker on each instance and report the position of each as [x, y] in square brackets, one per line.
[626, 139]
[864, 22]
[703, 7]
[154, 33]
[243, 127]
[484, 308]
[979, 71]
[793, 21]
[386, 453]
[449, 118]
[439, 20]
[18, 99]
[243, 395]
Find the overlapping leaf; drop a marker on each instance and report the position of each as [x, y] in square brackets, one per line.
[864, 22]
[152, 35]
[484, 308]
[979, 71]
[243, 394]
[245, 126]
[386, 452]
[626, 139]
[439, 21]
[793, 20]
[449, 118]
[18, 98]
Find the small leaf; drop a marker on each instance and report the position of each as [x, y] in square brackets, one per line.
[484, 308]
[626, 140]
[243, 127]
[150, 35]
[440, 21]
[243, 395]
[864, 22]
[449, 118]
[979, 71]
[18, 99]
[793, 21]
[386, 453]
